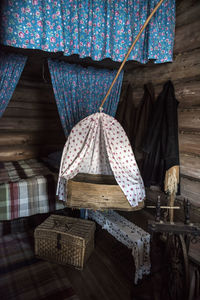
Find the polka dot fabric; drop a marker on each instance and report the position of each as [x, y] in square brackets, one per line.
[99, 145]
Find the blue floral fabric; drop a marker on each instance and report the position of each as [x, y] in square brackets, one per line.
[97, 28]
[11, 67]
[79, 91]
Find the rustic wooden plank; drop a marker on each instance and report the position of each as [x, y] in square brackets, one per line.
[186, 65]
[31, 105]
[10, 138]
[189, 143]
[23, 82]
[187, 93]
[38, 113]
[26, 94]
[190, 189]
[190, 165]
[189, 13]
[29, 124]
[183, 6]
[187, 37]
[189, 118]
[18, 152]
[97, 196]
[95, 178]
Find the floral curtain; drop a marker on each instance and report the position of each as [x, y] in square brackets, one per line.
[11, 67]
[97, 28]
[79, 91]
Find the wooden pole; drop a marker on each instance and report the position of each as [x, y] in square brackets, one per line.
[129, 51]
[166, 207]
[171, 203]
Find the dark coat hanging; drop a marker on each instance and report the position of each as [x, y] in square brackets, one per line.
[143, 113]
[161, 142]
[126, 111]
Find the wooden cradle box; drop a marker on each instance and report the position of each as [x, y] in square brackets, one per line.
[98, 192]
[65, 240]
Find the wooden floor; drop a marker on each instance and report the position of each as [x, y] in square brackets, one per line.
[109, 274]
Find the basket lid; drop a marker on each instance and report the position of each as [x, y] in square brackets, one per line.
[81, 229]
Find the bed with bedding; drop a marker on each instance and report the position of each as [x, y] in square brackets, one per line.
[27, 187]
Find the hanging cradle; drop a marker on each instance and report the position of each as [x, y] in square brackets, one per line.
[98, 168]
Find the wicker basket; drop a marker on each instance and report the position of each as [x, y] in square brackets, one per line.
[65, 240]
[97, 192]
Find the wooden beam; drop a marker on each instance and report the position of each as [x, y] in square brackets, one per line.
[23, 111]
[189, 119]
[30, 94]
[190, 166]
[19, 152]
[187, 37]
[186, 11]
[189, 143]
[32, 105]
[29, 124]
[185, 65]
[190, 189]
[187, 92]
[10, 138]
[188, 14]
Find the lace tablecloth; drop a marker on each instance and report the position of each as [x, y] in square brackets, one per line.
[130, 235]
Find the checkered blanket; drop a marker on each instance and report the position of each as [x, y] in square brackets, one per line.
[27, 187]
[24, 277]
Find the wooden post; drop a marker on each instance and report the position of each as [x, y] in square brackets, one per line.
[171, 211]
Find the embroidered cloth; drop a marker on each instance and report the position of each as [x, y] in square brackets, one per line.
[98, 145]
[130, 235]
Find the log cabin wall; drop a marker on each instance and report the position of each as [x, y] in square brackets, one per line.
[185, 74]
[30, 127]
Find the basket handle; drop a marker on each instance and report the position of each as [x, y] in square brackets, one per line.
[58, 224]
[67, 227]
[129, 51]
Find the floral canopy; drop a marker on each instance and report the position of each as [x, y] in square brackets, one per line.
[99, 145]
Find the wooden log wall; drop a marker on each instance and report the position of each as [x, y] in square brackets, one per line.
[185, 74]
[30, 127]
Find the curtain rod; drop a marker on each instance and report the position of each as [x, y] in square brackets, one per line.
[129, 51]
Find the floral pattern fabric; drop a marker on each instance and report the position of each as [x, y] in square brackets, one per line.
[98, 145]
[79, 91]
[95, 28]
[11, 67]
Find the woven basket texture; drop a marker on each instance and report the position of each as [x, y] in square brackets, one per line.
[65, 240]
